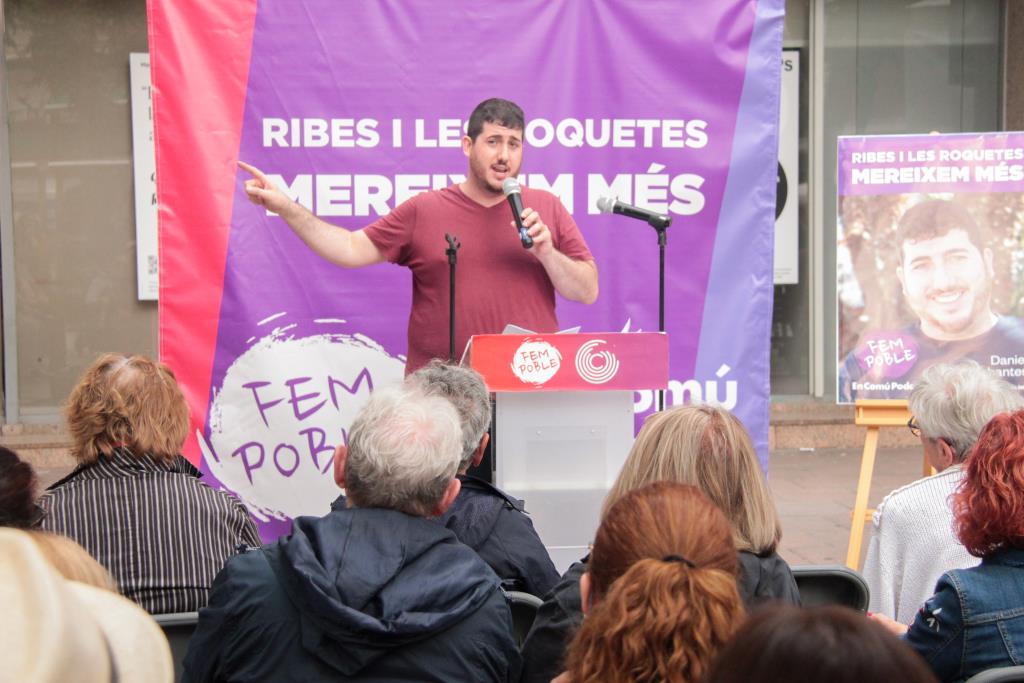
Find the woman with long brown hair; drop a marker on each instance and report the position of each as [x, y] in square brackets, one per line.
[660, 593]
[706, 447]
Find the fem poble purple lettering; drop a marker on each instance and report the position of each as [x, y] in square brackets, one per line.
[281, 412]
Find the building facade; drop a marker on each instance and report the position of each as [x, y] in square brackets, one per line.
[67, 204]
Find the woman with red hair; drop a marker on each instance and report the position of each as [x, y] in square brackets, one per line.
[659, 593]
[975, 620]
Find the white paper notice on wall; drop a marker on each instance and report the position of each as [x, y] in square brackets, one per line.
[787, 214]
[144, 168]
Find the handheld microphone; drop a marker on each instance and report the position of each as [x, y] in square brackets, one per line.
[613, 205]
[515, 198]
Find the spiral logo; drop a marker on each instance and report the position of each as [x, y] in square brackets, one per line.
[596, 367]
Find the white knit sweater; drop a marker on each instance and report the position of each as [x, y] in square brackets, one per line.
[913, 544]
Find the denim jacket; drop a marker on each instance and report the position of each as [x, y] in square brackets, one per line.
[975, 620]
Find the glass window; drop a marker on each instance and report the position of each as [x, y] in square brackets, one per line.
[902, 67]
[791, 335]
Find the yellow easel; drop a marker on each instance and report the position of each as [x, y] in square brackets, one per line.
[873, 414]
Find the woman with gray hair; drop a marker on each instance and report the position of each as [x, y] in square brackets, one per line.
[952, 403]
[913, 543]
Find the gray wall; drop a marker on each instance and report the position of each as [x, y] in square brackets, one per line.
[74, 225]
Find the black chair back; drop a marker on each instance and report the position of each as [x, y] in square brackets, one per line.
[831, 584]
[524, 608]
[178, 628]
[1003, 675]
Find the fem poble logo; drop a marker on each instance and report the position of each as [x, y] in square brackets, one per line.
[284, 406]
[886, 354]
[536, 361]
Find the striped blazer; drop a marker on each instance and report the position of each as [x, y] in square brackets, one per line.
[163, 534]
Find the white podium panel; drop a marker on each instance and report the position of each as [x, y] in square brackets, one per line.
[560, 452]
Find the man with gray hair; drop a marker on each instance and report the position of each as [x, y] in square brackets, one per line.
[484, 517]
[914, 542]
[374, 590]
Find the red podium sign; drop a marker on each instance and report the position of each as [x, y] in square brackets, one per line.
[571, 362]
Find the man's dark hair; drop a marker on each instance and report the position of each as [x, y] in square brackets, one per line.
[934, 218]
[18, 489]
[495, 110]
[829, 644]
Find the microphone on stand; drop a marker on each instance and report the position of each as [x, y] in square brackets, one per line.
[515, 198]
[659, 221]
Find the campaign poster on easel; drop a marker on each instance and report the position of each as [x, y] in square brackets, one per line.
[930, 262]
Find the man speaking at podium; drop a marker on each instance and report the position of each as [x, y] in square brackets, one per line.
[501, 281]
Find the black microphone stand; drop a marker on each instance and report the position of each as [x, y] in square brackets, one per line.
[661, 227]
[453, 246]
[660, 223]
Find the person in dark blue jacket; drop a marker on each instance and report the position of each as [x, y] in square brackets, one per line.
[374, 590]
[484, 517]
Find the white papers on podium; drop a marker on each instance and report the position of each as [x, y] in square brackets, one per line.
[511, 329]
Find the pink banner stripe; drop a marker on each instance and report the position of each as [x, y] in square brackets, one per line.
[199, 54]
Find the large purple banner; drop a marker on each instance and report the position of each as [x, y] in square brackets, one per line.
[354, 107]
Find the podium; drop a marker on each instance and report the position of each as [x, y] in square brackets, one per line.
[564, 422]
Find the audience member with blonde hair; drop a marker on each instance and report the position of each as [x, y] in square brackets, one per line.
[133, 502]
[659, 592]
[55, 630]
[709, 448]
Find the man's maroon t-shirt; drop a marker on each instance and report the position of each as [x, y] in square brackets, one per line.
[497, 281]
